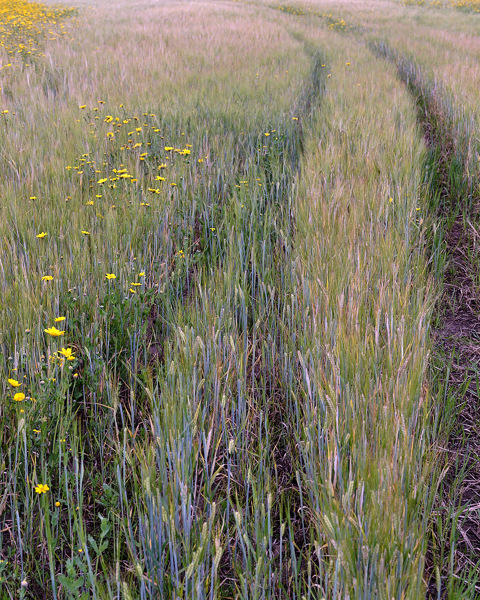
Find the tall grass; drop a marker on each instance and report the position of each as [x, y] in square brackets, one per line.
[437, 60]
[228, 225]
[364, 444]
[167, 287]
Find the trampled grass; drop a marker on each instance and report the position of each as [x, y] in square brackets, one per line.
[216, 299]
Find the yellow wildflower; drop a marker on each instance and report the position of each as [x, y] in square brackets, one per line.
[53, 331]
[67, 353]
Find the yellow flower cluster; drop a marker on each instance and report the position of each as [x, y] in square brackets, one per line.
[473, 5]
[130, 139]
[65, 354]
[24, 26]
[332, 22]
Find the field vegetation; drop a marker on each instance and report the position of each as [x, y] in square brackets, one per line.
[238, 272]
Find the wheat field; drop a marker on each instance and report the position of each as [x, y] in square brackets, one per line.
[238, 309]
